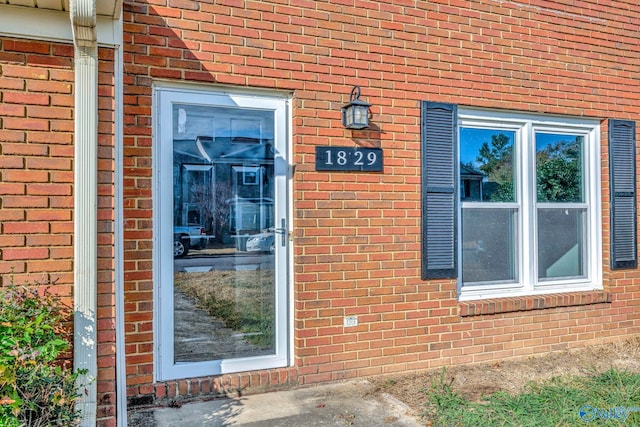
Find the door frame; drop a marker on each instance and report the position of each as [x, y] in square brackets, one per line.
[164, 96]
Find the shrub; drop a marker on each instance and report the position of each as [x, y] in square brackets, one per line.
[36, 388]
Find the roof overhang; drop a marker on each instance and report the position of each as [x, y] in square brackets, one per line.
[107, 8]
[31, 20]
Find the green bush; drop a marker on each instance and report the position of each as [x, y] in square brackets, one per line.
[36, 388]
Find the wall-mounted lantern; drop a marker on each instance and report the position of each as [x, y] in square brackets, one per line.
[355, 115]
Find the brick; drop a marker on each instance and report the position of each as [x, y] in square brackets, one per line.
[25, 149]
[51, 62]
[47, 265]
[48, 240]
[49, 163]
[31, 73]
[25, 176]
[25, 98]
[12, 136]
[13, 254]
[17, 188]
[11, 240]
[24, 228]
[27, 46]
[14, 162]
[49, 87]
[49, 112]
[25, 124]
[8, 269]
[49, 215]
[49, 189]
[12, 110]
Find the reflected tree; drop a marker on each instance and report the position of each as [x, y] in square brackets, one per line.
[496, 162]
[559, 172]
[200, 195]
[222, 211]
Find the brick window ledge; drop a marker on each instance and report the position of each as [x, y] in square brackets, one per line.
[531, 302]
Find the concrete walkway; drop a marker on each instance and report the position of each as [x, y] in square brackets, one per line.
[352, 403]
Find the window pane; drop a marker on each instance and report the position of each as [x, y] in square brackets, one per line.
[561, 237]
[559, 168]
[223, 234]
[489, 241]
[487, 165]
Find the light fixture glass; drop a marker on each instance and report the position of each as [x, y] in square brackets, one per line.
[355, 114]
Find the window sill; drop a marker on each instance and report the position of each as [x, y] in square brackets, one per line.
[532, 302]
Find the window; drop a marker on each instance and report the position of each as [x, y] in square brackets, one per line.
[511, 202]
[531, 224]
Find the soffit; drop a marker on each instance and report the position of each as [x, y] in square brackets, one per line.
[110, 8]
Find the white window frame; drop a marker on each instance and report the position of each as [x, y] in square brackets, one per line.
[525, 126]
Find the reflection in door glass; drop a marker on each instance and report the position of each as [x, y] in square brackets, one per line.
[223, 235]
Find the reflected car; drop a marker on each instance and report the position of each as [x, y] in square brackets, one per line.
[181, 245]
[262, 242]
[195, 234]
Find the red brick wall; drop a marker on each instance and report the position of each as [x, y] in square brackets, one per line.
[357, 236]
[36, 161]
[36, 183]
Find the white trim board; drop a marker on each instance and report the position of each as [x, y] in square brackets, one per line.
[50, 25]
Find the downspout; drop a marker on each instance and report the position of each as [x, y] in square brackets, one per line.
[121, 366]
[83, 20]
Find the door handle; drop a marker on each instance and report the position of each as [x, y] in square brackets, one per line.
[282, 231]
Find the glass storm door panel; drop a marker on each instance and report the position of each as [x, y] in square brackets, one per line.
[222, 189]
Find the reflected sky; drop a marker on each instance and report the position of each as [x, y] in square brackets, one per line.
[471, 139]
[543, 140]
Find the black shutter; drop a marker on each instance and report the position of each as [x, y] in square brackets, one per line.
[622, 179]
[439, 190]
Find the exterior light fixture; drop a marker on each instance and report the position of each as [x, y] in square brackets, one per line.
[355, 115]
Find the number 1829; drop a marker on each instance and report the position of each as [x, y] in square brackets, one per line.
[349, 159]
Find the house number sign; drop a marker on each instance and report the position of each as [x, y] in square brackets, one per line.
[348, 159]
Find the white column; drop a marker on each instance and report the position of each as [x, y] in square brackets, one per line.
[83, 18]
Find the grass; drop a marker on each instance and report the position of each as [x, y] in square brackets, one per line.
[608, 398]
[243, 300]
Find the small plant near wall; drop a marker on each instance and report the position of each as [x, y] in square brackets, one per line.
[36, 387]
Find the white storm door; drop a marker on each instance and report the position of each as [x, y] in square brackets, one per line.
[221, 227]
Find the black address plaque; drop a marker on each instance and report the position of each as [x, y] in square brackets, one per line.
[348, 159]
